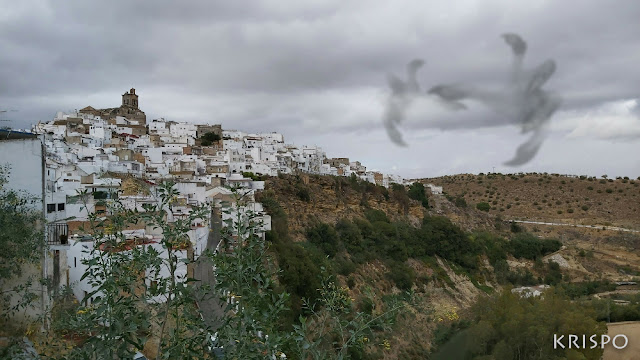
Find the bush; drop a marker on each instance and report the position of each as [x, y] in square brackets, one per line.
[325, 237]
[303, 193]
[208, 138]
[300, 273]
[515, 228]
[417, 192]
[401, 274]
[460, 202]
[525, 245]
[374, 215]
[483, 206]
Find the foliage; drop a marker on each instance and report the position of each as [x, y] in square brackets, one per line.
[515, 228]
[507, 326]
[528, 246]
[401, 274]
[302, 192]
[399, 195]
[443, 238]
[483, 206]
[209, 138]
[336, 330]
[21, 245]
[119, 315]
[575, 290]
[325, 237]
[417, 192]
[252, 176]
[373, 215]
[245, 281]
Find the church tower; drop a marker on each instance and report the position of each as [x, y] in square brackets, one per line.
[130, 98]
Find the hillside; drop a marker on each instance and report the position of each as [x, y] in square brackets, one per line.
[550, 197]
[439, 290]
[445, 283]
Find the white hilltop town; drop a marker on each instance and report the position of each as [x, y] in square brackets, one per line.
[114, 153]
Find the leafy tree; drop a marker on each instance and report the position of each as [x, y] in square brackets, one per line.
[417, 192]
[21, 244]
[351, 236]
[507, 324]
[374, 215]
[120, 315]
[443, 238]
[208, 138]
[246, 281]
[528, 246]
[325, 237]
[399, 195]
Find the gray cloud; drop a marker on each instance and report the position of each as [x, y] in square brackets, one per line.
[294, 67]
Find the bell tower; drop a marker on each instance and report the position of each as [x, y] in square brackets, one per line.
[130, 98]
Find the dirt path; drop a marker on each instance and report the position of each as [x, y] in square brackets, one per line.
[614, 228]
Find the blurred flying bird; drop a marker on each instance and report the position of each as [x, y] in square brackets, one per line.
[402, 94]
[521, 99]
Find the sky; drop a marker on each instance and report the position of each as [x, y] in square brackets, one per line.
[317, 72]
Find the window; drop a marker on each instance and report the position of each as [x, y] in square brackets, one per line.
[61, 207]
[75, 262]
[51, 208]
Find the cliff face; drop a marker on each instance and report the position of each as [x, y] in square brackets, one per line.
[444, 290]
[439, 290]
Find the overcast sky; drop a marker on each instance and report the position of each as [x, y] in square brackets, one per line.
[317, 72]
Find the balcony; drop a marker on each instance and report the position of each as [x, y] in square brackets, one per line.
[57, 234]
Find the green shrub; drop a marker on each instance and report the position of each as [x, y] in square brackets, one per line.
[401, 274]
[325, 237]
[417, 192]
[460, 202]
[528, 246]
[374, 215]
[483, 206]
[303, 193]
[208, 138]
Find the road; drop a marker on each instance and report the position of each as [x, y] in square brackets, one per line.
[614, 228]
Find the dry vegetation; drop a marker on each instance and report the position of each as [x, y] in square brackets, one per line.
[550, 197]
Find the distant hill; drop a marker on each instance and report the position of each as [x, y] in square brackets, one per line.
[549, 197]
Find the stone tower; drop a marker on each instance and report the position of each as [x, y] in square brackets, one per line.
[130, 98]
